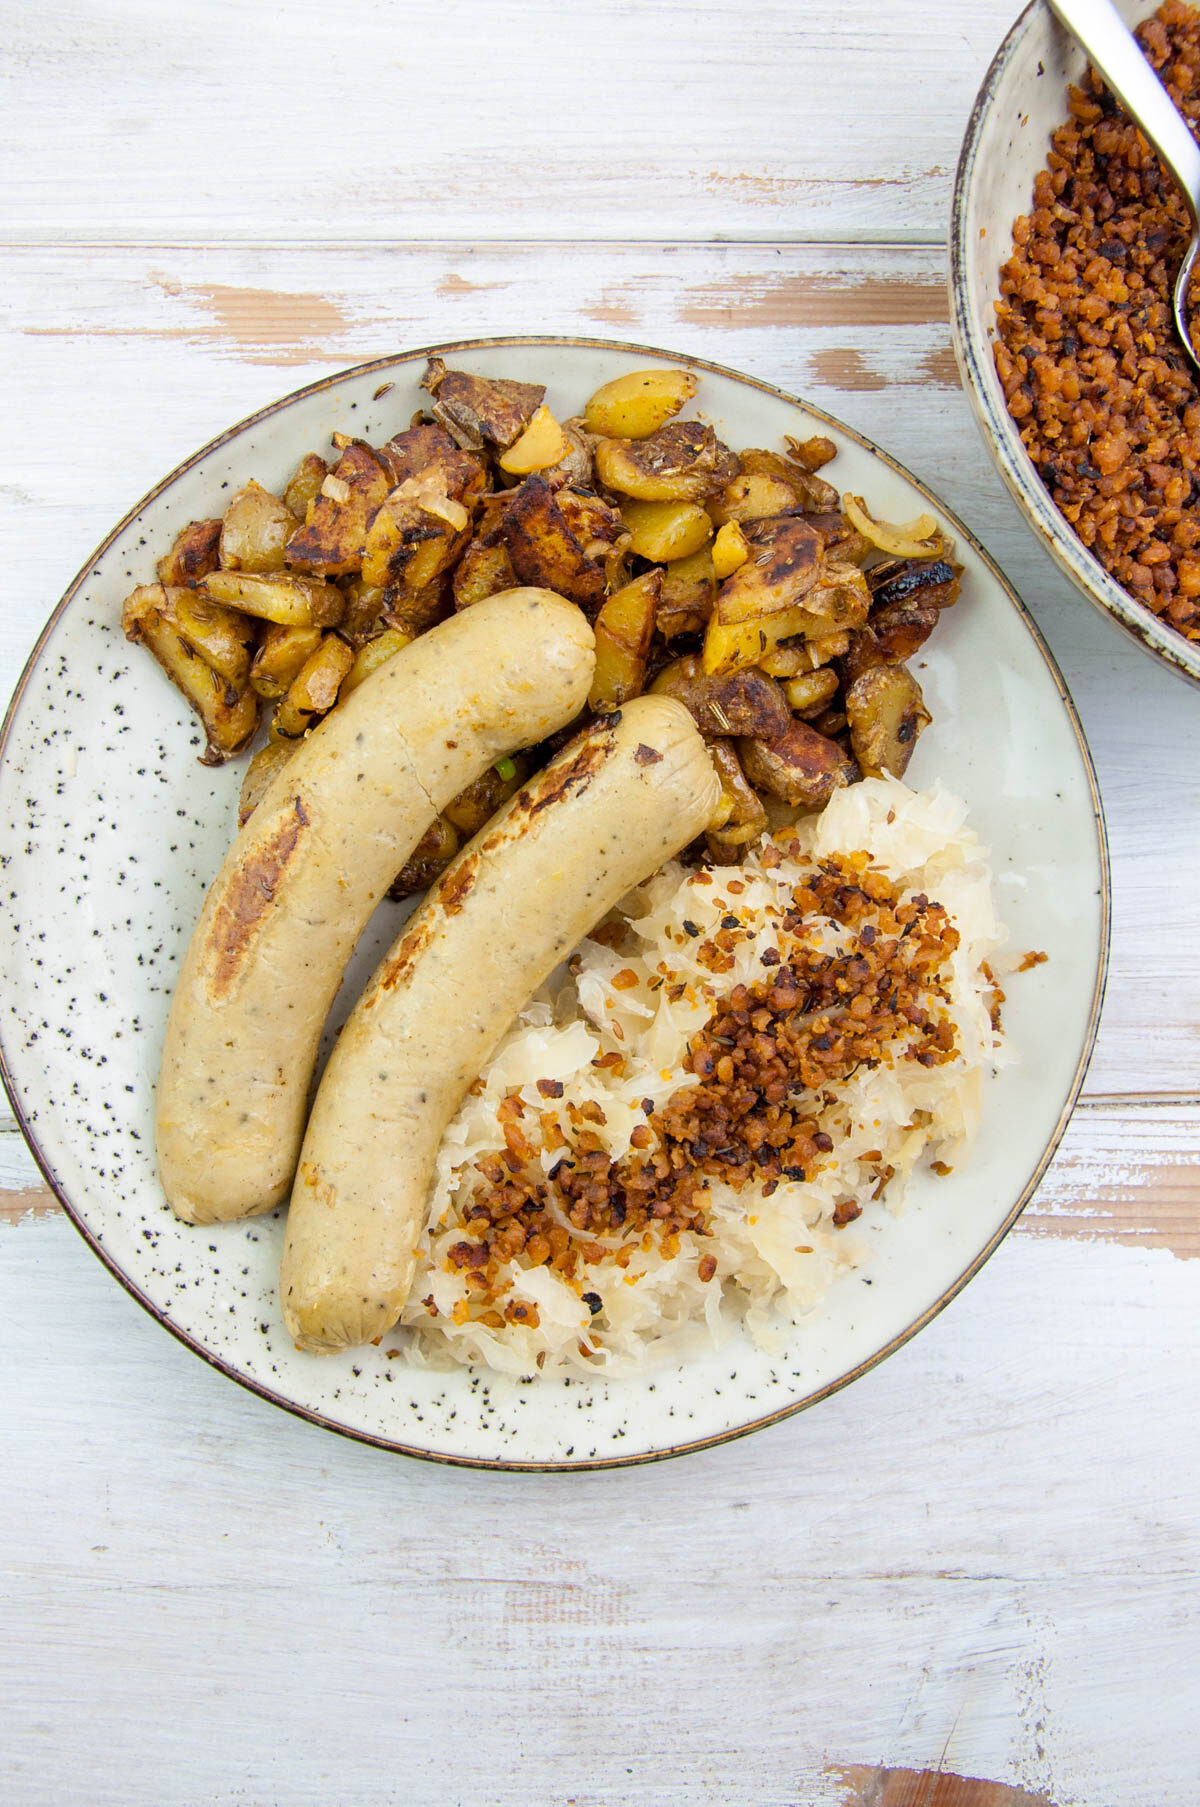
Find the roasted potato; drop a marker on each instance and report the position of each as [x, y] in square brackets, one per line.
[801, 767]
[624, 628]
[428, 860]
[314, 690]
[287, 598]
[734, 703]
[890, 637]
[689, 590]
[542, 444]
[754, 496]
[912, 583]
[786, 561]
[637, 405]
[375, 653]
[730, 549]
[793, 658]
[267, 763]
[682, 462]
[741, 817]
[415, 536]
[809, 693]
[491, 790]
[480, 411]
[545, 551]
[335, 530]
[887, 714]
[665, 531]
[196, 552]
[282, 653]
[304, 485]
[255, 531]
[484, 569]
[229, 713]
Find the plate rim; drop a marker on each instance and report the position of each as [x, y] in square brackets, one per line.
[311, 1415]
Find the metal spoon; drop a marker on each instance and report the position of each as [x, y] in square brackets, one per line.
[1119, 58]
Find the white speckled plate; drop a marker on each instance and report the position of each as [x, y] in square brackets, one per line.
[112, 832]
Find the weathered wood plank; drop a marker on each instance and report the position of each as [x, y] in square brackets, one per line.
[616, 121]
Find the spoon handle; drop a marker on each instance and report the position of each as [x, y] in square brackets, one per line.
[1119, 58]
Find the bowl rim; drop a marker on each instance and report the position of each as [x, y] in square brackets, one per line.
[972, 347]
[392, 1445]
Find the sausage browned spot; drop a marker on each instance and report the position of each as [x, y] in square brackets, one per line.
[599, 819]
[306, 871]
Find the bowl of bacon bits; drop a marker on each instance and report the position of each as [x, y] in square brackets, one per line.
[1066, 238]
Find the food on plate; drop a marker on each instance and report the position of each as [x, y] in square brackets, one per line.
[744, 565]
[330, 831]
[1107, 404]
[689, 1129]
[619, 799]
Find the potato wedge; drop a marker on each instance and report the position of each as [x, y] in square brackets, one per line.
[256, 529]
[689, 590]
[624, 628]
[375, 653]
[416, 534]
[545, 551]
[666, 531]
[479, 802]
[728, 645]
[282, 654]
[196, 552]
[332, 539]
[479, 410]
[223, 638]
[428, 860]
[266, 764]
[754, 496]
[792, 659]
[314, 690]
[484, 569]
[291, 600]
[542, 444]
[887, 714]
[733, 703]
[740, 817]
[786, 561]
[304, 485]
[730, 549]
[637, 405]
[682, 462]
[810, 692]
[801, 767]
[229, 715]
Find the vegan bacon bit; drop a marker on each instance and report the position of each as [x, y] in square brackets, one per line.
[765, 1063]
[550, 1088]
[1031, 960]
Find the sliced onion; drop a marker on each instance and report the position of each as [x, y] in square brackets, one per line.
[922, 538]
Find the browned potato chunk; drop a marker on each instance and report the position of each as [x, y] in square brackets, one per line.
[304, 485]
[416, 535]
[786, 561]
[479, 410]
[730, 549]
[484, 569]
[365, 604]
[682, 462]
[637, 405]
[734, 703]
[728, 645]
[887, 713]
[810, 692]
[546, 552]
[411, 453]
[280, 658]
[314, 691]
[542, 444]
[624, 628]
[740, 816]
[890, 638]
[224, 638]
[415, 610]
[428, 860]
[840, 595]
[293, 601]
[794, 658]
[665, 531]
[229, 715]
[689, 589]
[813, 495]
[479, 802]
[754, 496]
[256, 528]
[802, 767]
[335, 530]
[196, 552]
[267, 763]
[375, 653]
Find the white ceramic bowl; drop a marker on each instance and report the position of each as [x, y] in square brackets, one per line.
[1023, 99]
[110, 832]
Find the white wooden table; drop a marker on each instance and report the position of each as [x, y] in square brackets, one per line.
[978, 1562]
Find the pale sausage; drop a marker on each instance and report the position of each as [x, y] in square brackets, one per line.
[619, 800]
[303, 876]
